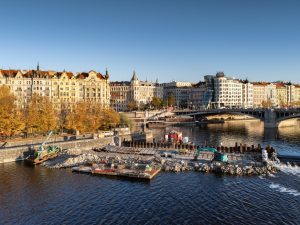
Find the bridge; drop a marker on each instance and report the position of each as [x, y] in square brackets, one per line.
[271, 117]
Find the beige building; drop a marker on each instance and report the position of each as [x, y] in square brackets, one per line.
[62, 88]
[137, 91]
[277, 94]
[264, 94]
[287, 94]
[297, 95]
[181, 90]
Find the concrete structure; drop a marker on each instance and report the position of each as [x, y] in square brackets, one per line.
[137, 91]
[62, 88]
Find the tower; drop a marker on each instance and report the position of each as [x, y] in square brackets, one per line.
[106, 73]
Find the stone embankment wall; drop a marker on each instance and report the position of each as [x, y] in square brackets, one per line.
[15, 153]
[40, 140]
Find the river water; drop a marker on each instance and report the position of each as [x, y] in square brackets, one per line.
[36, 195]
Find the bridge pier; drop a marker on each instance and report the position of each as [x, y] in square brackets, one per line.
[270, 120]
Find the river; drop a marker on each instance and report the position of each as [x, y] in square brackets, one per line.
[36, 195]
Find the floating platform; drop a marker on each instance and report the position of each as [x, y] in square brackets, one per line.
[131, 173]
[82, 169]
[148, 175]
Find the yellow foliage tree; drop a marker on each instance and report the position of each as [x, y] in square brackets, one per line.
[109, 118]
[266, 104]
[40, 115]
[82, 118]
[89, 117]
[11, 121]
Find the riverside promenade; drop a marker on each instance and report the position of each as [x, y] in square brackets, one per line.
[18, 150]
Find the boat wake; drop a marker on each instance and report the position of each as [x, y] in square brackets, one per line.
[283, 189]
[289, 169]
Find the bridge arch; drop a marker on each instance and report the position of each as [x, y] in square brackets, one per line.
[259, 116]
[292, 119]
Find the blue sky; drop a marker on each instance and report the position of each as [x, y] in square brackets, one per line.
[168, 39]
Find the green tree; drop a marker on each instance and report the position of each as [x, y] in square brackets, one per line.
[11, 118]
[157, 103]
[126, 121]
[171, 99]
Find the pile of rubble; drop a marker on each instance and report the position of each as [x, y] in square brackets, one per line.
[72, 158]
[216, 167]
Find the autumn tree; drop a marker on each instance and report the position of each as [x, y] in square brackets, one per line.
[65, 110]
[266, 104]
[109, 119]
[132, 105]
[90, 117]
[78, 118]
[11, 120]
[40, 115]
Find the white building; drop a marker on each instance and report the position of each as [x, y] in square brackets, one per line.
[247, 94]
[228, 91]
[137, 91]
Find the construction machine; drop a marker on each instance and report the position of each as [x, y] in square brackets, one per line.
[218, 156]
[44, 152]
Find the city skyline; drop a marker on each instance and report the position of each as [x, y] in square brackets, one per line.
[149, 79]
[170, 40]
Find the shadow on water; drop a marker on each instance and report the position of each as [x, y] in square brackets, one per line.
[119, 178]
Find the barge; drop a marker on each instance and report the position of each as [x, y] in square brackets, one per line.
[140, 171]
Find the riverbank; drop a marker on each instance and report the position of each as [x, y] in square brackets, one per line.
[19, 152]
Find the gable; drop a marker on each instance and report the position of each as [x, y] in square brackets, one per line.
[19, 75]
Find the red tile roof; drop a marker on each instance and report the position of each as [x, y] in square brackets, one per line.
[9, 73]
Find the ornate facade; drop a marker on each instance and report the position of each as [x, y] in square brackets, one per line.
[137, 91]
[61, 87]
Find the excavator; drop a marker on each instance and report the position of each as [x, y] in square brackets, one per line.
[218, 156]
[43, 153]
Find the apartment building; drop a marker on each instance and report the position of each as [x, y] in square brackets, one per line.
[137, 91]
[247, 94]
[264, 94]
[297, 94]
[181, 90]
[62, 88]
